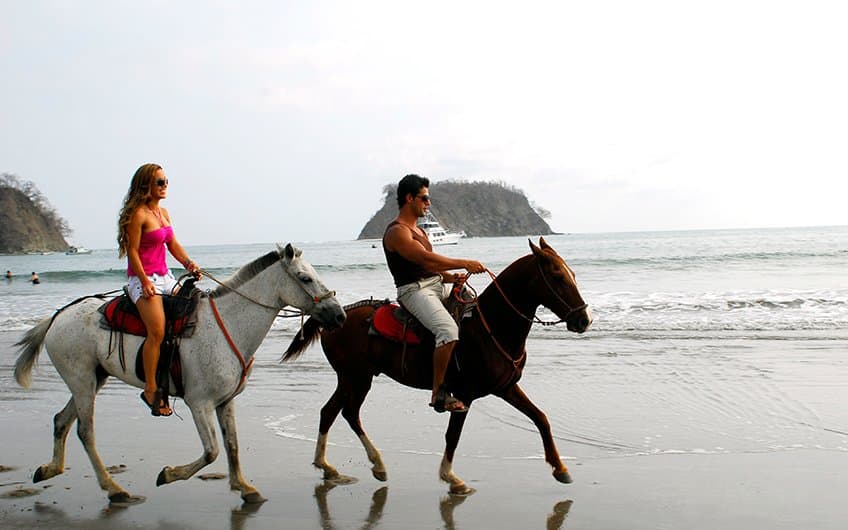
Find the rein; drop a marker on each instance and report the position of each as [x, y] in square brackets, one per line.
[315, 299]
[245, 366]
[246, 297]
[516, 362]
[535, 319]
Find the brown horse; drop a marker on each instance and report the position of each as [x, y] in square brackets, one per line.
[488, 359]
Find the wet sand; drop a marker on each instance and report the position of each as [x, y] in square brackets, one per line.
[786, 488]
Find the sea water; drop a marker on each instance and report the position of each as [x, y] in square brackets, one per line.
[790, 279]
[703, 341]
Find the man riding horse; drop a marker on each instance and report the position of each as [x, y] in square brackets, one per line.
[420, 276]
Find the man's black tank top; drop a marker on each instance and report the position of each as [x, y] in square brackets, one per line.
[404, 271]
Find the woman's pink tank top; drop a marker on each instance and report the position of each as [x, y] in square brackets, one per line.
[151, 250]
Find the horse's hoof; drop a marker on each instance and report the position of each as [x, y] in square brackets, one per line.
[162, 478]
[563, 476]
[382, 476]
[461, 490]
[253, 498]
[329, 472]
[122, 498]
[39, 475]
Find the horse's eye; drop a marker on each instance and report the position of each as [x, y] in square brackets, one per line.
[305, 278]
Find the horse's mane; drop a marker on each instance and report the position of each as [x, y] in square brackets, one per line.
[246, 273]
[508, 272]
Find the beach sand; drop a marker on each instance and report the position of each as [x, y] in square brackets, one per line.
[801, 488]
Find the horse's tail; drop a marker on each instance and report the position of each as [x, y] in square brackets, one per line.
[30, 348]
[302, 340]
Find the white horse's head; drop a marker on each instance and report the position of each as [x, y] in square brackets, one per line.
[307, 292]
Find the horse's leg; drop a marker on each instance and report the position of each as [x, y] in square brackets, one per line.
[62, 423]
[358, 390]
[329, 412]
[205, 424]
[518, 399]
[457, 485]
[83, 398]
[227, 421]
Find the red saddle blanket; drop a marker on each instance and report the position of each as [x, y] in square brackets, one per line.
[389, 322]
[121, 314]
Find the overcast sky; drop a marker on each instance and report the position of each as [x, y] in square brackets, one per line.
[282, 121]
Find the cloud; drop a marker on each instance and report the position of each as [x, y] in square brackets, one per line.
[612, 115]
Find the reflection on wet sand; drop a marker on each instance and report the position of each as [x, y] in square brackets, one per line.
[240, 515]
[447, 505]
[378, 502]
[560, 512]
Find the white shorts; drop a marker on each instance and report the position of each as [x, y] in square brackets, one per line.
[164, 285]
[424, 299]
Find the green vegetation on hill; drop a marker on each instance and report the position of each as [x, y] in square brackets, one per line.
[481, 209]
[28, 223]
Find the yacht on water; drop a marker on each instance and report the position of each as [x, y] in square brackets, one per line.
[436, 233]
[73, 251]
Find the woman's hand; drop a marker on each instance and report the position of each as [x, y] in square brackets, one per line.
[148, 290]
[193, 269]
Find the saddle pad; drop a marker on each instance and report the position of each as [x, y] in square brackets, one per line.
[387, 324]
[121, 314]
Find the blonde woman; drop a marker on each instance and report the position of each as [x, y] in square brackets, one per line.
[144, 233]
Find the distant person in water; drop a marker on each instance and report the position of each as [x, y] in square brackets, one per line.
[144, 233]
[420, 276]
[33, 278]
[9, 274]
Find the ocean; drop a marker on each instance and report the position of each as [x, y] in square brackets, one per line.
[716, 281]
[709, 341]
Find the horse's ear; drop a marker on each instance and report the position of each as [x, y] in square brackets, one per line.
[536, 250]
[544, 244]
[292, 252]
[289, 252]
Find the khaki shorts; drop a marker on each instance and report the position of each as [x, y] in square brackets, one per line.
[424, 299]
[164, 285]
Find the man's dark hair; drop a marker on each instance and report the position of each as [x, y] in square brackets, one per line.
[410, 184]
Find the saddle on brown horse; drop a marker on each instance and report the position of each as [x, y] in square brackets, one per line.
[392, 321]
[120, 315]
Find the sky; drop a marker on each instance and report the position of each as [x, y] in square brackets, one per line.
[284, 120]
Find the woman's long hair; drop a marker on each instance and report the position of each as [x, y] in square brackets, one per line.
[137, 195]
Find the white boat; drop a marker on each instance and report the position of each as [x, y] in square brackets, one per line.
[437, 234]
[73, 251]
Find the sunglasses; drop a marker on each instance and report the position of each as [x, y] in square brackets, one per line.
[424, 198]
[161, 182]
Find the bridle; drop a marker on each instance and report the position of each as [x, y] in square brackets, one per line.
[245, 366]
[571, 310]
[535, 319]
[316, 299]
[516, 362]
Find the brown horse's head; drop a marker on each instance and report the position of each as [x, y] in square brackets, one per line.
[558, 288]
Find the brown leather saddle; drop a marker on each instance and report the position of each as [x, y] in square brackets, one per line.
[393, 322]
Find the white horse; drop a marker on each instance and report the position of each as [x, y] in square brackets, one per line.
[216, 360]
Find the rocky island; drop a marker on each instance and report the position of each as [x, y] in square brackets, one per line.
[481, 209]
[27, 221]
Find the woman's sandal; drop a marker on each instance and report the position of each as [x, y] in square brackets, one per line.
[158, 404]
[446, 403]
